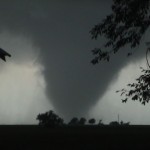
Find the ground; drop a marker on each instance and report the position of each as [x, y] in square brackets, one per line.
[74, 138]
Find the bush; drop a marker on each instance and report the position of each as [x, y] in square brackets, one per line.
[50, 119]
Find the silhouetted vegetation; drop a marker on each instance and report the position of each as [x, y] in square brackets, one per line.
[116, 123]
[126, 25]
[92, 121]
[82, 121]
[139, 90]
[122, 123]
[74, 121]
[50, 119]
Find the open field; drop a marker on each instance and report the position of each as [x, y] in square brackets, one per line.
[74, 138]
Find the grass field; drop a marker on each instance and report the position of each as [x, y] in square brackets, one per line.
[30, 137]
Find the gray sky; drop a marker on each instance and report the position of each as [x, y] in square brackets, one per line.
[50, 64]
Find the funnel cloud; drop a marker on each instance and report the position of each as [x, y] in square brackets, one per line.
[60, 31]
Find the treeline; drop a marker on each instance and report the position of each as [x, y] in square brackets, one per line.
[51, 119]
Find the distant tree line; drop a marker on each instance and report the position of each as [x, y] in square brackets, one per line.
[51, 119]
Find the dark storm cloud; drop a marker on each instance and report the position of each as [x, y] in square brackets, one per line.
[61, 31]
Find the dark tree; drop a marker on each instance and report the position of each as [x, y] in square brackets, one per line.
[124, 124]
[50, 119]
[114, 123]
[92, 121]
[82, 121]
[139, 90]
[126, 25]
[74, 121]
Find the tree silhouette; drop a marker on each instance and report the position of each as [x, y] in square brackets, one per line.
[126, 25]
[74, 121]
[92, 121]
[114, 123]
[139, 90]
[50, 119]
[82, 121]
[124, 124]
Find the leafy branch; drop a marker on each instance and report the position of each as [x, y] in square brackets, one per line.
[140, 90]
[124, 26]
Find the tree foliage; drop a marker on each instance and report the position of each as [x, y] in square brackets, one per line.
[50, 119]
[114, 123]
[74, 121]
[82, 121]
[139, 90]
[92, 121]
[124, 26]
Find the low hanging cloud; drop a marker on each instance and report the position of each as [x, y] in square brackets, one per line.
[22, 85]
[59, 33]
[110, 105]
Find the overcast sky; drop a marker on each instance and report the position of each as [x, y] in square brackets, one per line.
[50, 65]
